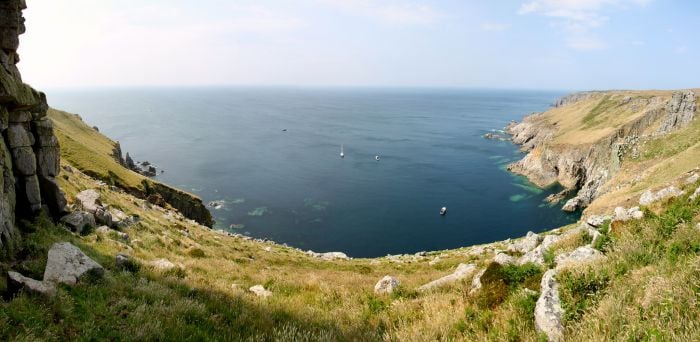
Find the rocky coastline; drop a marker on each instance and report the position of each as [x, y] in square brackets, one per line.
[584, 168]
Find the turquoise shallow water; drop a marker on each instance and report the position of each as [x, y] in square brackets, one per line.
[230, 145]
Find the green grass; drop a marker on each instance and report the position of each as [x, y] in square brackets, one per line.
[604, 106]
[647, 288]
[88, 150]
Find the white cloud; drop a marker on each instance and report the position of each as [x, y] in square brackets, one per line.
[494, 27]
[681, 49]
[578, 18]
[638, 43]
[390, 12]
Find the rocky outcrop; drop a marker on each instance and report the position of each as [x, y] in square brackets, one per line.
[623, 214]
[581, 255]
[29, 151]
[649, 197]
[329, 255]
[79, 221]
[68, 265]
[260, 291]
[386, 285]
[586, 167]
[680, 111]
[548, 310]
[574, 97]
[463, 271]
[17, 282]
[190, 206]
[526, 244]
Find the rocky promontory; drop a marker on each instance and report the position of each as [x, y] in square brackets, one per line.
[581, 142]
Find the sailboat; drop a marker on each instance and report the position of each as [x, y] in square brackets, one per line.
[342, 154]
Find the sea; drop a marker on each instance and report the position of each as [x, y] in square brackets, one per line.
[267, 161]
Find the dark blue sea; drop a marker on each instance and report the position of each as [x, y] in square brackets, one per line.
[271, 156]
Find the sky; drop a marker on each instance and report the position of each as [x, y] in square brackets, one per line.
[509, 44]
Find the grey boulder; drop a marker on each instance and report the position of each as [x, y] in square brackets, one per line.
[79, 221]
[67, 264]
[17, 282]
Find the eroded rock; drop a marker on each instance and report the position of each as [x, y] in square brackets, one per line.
[89, 200]
[463, 271]
[386, 285]
[260, 291]
[548, 310]
[583, 254]
[649, 197]
[79, 221]
[67, 264]
[17, 282]
[526, 244]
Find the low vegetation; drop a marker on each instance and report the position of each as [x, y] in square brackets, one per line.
[647, 288]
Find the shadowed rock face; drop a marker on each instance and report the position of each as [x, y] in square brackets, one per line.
[29, 151]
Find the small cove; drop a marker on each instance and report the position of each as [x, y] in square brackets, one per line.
[270, 159]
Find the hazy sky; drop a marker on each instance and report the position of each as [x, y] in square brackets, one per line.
[541, 44]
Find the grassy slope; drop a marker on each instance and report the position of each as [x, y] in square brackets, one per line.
[648, 289]
[88, 150]
[589, 120]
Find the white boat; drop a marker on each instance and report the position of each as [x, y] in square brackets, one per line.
[376, 157]
[342, 154]
[443, 211]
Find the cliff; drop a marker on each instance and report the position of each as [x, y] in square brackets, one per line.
[587, 139]
[29, 151]
[91, 152]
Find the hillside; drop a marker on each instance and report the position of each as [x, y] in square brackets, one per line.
[98, 156]
[632, 279]
[608, 147]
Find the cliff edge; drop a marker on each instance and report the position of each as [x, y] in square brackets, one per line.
[586, 140]
[29, 151]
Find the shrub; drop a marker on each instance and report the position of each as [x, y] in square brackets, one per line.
[196, 253]
[579, 291]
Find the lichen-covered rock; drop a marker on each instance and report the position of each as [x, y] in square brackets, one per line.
[536, 255]
[89, 200]
[680, 110]
[695, 194]
[622, 214]
[260, 291]
[79, 221]
[503, 259]
[581, 255]
[386, 285]
[548, 310]
[28, 169]
[649, 197]
[597, 221]
[463, 271]
[121, 259]
[476, 281]
[526, 244]
[329, 255]
[103, 216]
[17, 282]
[67, 264]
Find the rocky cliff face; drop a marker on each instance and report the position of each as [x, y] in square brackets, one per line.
[586, 167]
[29, 151]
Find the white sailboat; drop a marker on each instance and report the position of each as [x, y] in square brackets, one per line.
[342, 154]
